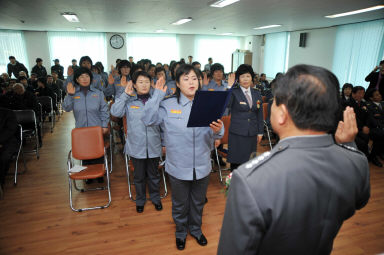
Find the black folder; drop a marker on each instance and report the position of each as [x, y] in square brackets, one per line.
[208, 106]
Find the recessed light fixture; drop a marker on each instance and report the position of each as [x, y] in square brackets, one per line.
[222, 3]
[226, 34]
[159, 30]
[182, 21]
[80, 29]
[269, 26]
[70, 16]
[374, 8]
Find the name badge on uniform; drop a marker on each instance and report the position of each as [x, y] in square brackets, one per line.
[95, 95]
[135, 107]
[211, 90]
[176, 111]
[173, 90]
[78, 97]
[243, 103]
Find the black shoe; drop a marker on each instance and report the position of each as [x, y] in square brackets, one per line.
[100, 180]
[375, 161]
[180, 243]
[201, 240]
[158, 206]
[139, 208]
[88, 181]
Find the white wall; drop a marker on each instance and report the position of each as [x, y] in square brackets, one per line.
[36, 43]
[319, 48]
[187, 48]
[113, 54]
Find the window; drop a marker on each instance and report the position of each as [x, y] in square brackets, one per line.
[358, 49]
[12, 44]
[73, 45]
[219, 48]
[276, 53]
[157, 47]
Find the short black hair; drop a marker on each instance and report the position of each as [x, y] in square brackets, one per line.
[123, 63]
[209, 59]
[38, 60]
[100, 66]
[74, 60]
[81, 70]
[190, 56]
[42, 80]
[346, 85]
[311, 95]
[262, 74]
[159, 69]
[357, 88]
[172, 69]
[182, 70]
[370, 92]
[130, 57]
[11, 57]
[85, 58]
[217, 67]
[140, 73]
[381, 62]
[195, 63]
[243, 69]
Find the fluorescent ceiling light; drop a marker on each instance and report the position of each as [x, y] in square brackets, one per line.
[222, 3]
[265, 27]
[182, 21]
[80, 29]
[159, 30]
[374, 8]
[226, 34]
[70, 16]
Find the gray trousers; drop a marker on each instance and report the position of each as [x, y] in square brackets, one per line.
[146, 169]
[188, 200]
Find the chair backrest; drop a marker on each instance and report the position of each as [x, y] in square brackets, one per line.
[265, 111]
[45, 101]
[227, 122]
[87, 143]
[25, 117]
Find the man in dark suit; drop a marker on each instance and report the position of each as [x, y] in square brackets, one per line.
[294, 199]
[376, 79]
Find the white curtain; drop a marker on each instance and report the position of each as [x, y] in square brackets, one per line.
[12, 44]
[73, 45]
[358, 49]
[276, 53]
[161, 48]
[219, 48]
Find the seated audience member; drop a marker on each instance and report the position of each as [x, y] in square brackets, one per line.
[32, 81]
[23, 80]
[217, 83]
[14, 67]
[376, 79]
[44, 90]
[114, 78]
[346, 92]
[24, 74]
[8, 142]
[53, 86]
[59, 83]
[196, 65]
[5, 77]
[264, 81]
[58, 69]
[88, 105]
[20, 99]
[376, 124]
[39, 69]
[12, 82]
[74, 65]
[295, 198]
[143, 144]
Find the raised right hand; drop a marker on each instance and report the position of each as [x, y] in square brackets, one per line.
[70, 88]
[231, 80]
[70, 71]
[160, 85]
[205, 79]
[111, 80]
[128, 85]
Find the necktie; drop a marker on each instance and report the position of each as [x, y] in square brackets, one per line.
[248, 99]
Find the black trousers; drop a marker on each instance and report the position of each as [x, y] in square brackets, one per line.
[6, 154]
[377, 136]
[146, 170]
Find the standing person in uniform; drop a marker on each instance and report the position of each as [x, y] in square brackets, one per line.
[39, 69]
[294, 199]
[246, 109]
[115, 77]
[188, 161]
[143, 144]
[58, 69]
[217, 83]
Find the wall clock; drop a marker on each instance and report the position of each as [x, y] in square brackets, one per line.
[116, 41]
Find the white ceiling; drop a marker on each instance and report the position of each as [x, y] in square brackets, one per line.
[146, 16]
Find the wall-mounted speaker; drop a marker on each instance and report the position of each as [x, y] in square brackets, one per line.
[303, 40]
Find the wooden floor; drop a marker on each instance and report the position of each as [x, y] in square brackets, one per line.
[35, 217]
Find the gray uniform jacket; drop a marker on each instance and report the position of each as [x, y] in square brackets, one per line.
[97, 83]
[142, 141]
[294, 199]
[213, 86]
[116, 87]
[188, 149]
[90, 110]
[171, 87]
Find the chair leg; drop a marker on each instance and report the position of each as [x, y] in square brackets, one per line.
[218, 164]
[165, 183]
[111, 152]
[128, 177]
[269, 138]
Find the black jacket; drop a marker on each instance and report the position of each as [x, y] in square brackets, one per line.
[59, 70]
[373, 77]
[376, 114]
[16, 68]
[39, 71]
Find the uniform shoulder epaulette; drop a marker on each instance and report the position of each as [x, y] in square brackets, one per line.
[265, 157]
[350, 148]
